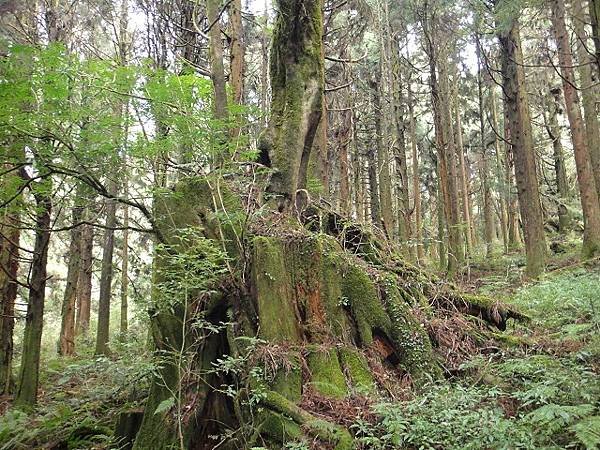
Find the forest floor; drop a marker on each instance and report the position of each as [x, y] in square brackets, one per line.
[540, 389]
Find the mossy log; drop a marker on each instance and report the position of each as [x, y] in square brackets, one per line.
[322, 312]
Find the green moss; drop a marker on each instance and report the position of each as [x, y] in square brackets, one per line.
[326, 375]
[318, 428]
[275, 299]
[331, 283]
[289, 382]
[407, 334]
[361, 294]
[512, 340]
[357, 369]
[279, 428]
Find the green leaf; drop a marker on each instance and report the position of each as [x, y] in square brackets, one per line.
[587, 432]
[165, 405]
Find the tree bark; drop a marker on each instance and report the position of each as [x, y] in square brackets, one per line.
[594, 7]
[344, 139]
[84, 283]
[484, 170]
[589, 89]
[446, 149]
[562, 186]
[125, 270]
[237, 52]
[519, 122]
[500, 177]
[26, 395]
[383, 157]
[217, 69]
[416, 185]
[106, 276]
[585, 177]
[373, 187]
[402, 182]
[9, 265]
[297, 86]
[66, 343]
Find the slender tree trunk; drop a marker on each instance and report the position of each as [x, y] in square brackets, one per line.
[455, 241]
[106, 275]
[125, 270]
[585, 177]
[237, 52]
[562, 186]
[589, 89]
[373, 188]
[594, 7]
[500, 178]
[383, 160]
[446, 149]
[521, 140]
[84, 280]
[358, 166]
[402, 182]
[84, 283]
[26, 395]
[488, 218]
[514, 237]
[9, 265]
[441, 227]
[264, 65]
[217, 69]
[66, 343]
[463, 180]
[416, 185]
[344, 139]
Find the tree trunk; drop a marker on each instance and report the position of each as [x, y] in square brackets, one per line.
[264, 65]
[84, 283]
[484, 170]
[416, 185]
[446, 149]
[344, 138]
[237, 52]
[66, 343]
[562, 186]
[521, 139]
[373, 187]
[402, 182]
[125, 270]
[106, 275]
[297, 86]
[589, 89]
[463, 177]
[585, 177]
[26, 395]
[358, 169]
[594, 7]
[500, 178]
[9, 265]
[217, 70]
[383, 159]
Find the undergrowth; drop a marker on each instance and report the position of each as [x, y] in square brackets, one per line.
[543, 393]
[80, 401]
[539, 389]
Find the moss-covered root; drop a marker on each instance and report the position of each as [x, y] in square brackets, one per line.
[492, 311]
[321, 429]
[388, 324]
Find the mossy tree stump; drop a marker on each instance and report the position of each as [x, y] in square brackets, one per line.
[323, 311]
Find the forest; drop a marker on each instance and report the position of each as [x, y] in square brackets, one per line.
[299, 224]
